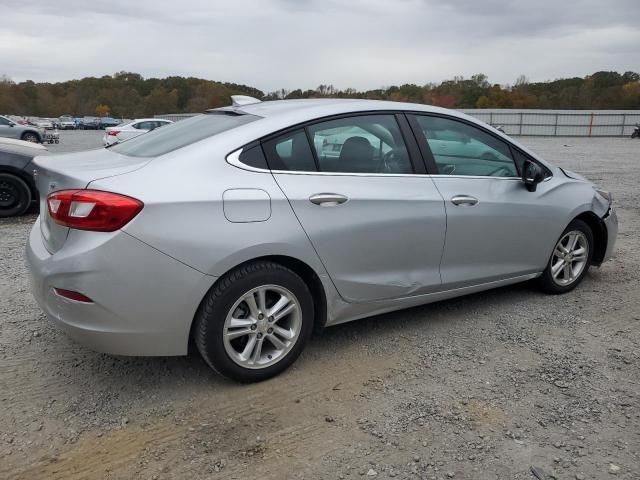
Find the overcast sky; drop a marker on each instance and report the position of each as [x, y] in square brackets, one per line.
[272, 44]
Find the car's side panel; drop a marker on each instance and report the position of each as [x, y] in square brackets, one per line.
[194, 228]
[506, 233]
[385, 241]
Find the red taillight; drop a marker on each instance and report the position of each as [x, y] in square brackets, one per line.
[113, 133]
[92, 209]
[71, 295]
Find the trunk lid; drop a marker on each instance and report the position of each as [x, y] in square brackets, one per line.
[75, 171]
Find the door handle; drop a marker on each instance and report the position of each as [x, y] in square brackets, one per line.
[467, 200]
[327, 199]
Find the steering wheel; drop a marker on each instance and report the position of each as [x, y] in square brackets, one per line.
[389, 163]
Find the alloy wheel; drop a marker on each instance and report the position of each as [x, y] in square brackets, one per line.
[569, 258]
[262, 326]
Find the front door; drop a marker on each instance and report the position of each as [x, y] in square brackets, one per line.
[496, 228]
[378, 228]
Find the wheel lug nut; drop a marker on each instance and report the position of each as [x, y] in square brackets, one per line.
[271, 319]
[260, 317]
[259, 335]
[253, 327]
[270, 330]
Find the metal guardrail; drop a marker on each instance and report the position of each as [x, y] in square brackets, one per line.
[561, 123]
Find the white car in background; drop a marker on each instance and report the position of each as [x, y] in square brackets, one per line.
[125, 131]
[66, 122]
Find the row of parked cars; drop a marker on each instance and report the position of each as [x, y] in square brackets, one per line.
[44, 130]
[67, 122]
[20, 143]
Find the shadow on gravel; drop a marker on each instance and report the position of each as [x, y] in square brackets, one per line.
[374, 334]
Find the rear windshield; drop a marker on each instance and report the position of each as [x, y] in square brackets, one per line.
[180, 134]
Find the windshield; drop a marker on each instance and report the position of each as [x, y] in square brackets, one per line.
[180, 134]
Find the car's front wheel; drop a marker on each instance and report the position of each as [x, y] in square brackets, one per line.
[255, 321]
[570, 259]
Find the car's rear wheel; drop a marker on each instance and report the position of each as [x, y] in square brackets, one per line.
[255, 322]
[570, 259]
[15, 196]
[30, 137]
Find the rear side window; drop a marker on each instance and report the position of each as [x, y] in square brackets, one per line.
[360, 144]
[253, 157]
[290, 151]
[180, 134]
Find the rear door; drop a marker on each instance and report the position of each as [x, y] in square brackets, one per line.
[496, 228]
[377, 225]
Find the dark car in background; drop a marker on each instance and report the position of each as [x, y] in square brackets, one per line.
[17, 185]
[89, 123]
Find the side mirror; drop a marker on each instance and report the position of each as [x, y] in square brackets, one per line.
[532, 175]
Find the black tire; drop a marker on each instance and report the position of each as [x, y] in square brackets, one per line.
[15, 195]
[30, 137]
[546, 281]
[210, 318]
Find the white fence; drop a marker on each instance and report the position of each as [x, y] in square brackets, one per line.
[561, 123]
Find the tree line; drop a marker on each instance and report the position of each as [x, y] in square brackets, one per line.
[129, 95]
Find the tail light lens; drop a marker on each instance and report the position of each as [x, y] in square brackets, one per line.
[92, 209]
[113, 133]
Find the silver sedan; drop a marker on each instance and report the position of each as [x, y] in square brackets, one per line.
[242, 229]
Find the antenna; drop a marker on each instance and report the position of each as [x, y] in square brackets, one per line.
[240, 100]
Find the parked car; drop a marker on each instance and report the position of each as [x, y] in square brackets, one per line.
[90, 123]
[23, 143]
[17, 186]
[113, 135]
[11, 129]
[66, 122]
[234, 231]
[43, 123]
[106, 122]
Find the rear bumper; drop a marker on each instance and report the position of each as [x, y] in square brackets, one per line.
[144, 300]
[610, 221]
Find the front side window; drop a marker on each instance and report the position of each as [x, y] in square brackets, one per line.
[462, 149]
[5, 121]
[361, 144]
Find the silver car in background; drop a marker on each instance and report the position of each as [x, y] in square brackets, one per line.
[28, 133]
[242, 229]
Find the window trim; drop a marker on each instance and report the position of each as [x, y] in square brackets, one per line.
[419, 152]
[413, 152]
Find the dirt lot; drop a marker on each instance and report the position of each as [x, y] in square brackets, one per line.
[483, 387]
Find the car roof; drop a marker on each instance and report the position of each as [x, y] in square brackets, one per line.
[327, 106]
[303, 110]
[13, 142]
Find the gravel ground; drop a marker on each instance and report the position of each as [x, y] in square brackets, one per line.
[483, 387]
